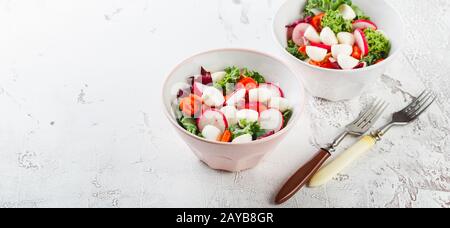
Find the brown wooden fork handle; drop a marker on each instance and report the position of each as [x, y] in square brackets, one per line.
[302, 176]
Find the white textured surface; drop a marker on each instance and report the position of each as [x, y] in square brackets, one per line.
[81, 126]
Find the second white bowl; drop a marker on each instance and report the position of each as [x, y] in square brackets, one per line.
[337, 85]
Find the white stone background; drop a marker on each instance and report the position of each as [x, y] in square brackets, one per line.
[81, 124]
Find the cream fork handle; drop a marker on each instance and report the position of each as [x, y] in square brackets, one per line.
[342, 161]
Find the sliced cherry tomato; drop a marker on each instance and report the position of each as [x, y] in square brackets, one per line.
[316, 22]
[248, 83]
[302, 49]
[191, 105]
[357, 53]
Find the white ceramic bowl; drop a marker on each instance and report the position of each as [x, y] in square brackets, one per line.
[337, 85]
[226, 156]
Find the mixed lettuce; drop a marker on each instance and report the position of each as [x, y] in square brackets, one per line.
[360, 15]
[324, 5]
[293, 49]
[253, 74]
[244, 127]
[379, 46]
[334, 20]
[189, 124]
[234, 74]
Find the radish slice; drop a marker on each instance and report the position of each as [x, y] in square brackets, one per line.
[347, 12]
[320, 45]
[212, 117]
[256, 106]
[341, 49]
[248, 115]
[230, 114]
[275, 90]
[312, 35]
[316, 54]
[218, 76]
[364, 24]
[328, 37]
[361, 41]
[346, 38]
[247, 138]
[347, 62]
[237, 98]
[260, 95]
[211, 133]
[299, 33]
[272, 120]
[213, 97]
[199, 88]
[282, 104]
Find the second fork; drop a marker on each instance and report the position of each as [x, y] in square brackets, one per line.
[358, 128]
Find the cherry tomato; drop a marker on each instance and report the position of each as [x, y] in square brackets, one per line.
[316, 22]
[247, 83]
[302, 49]
[357, 53]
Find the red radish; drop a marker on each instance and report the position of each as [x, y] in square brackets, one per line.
[230, 114]
[248, 115]
[212, 117]
[247, 138]
[346, 38]
[299, 33]
[316, 54]
[237, 98]
[347, 12]
[260, 94]
[213, 97]
[364, 24]
[328, 37]
[199, 88]
[276, 90]
[282, 104]
[361, 41]
[320, 45]
[347, 62]
[211, 133]
[256, 106]
[312, 35]
[271, 120]
[268, 134]
[341, 49]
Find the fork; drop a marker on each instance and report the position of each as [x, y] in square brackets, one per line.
[401, 118]
[357, 128]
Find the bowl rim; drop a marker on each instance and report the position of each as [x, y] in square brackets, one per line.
[301, 105]
[382, 63]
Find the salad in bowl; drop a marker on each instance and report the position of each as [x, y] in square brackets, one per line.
[337, 34]
[236, 105]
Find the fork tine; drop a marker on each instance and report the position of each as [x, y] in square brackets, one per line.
[414, 103]
[421, 103]
[376, 115]
[424, 108]
[364, 113]
[371, 113]
[370, 110]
